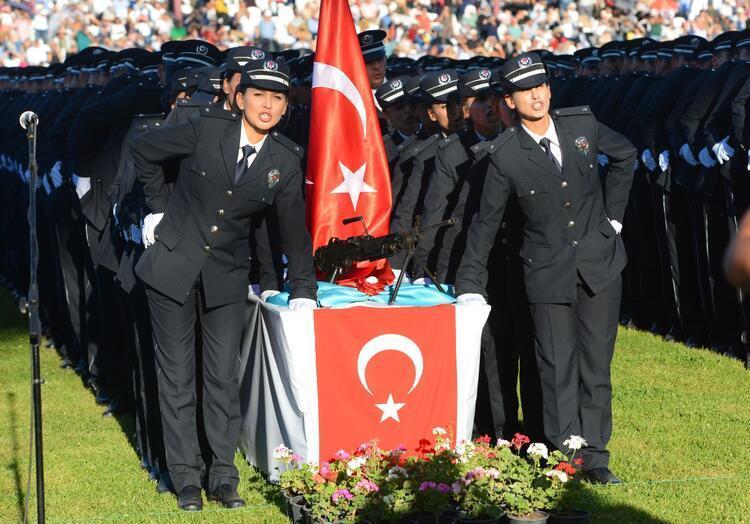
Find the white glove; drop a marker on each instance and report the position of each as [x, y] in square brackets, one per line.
[268, 293]
[648, 160]
[687, 155]
[615, 225]
[149, 226]
[134, 232]
[426, 281]
[705, 157]
[83, 185]
[664, 160]
[56, 174]
[471, 299]
[46, 185]
[302, 304]
[723, 150]
[602, 159]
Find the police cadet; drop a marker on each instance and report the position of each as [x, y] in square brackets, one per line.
[399, 110]
[198, 261]
[572, 251]
[439, 94]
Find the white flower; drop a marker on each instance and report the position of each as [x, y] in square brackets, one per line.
[282, 453]
[493, 473]
[354, 464]
[559, 475]
[465, 449]
[502, 443]
[575, 442]
[439, 431]
[397, 472]
[388, 499]
[538, 449]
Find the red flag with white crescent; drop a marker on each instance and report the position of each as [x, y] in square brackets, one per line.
[347, 169]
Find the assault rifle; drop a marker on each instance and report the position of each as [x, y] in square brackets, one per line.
[339, 256]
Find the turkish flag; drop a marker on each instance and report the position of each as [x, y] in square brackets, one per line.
[386, 373]
[347, 169]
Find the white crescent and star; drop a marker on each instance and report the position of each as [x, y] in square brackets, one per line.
[390, 342]
[330, 77]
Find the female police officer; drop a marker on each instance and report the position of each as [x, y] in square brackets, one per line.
[199, 262]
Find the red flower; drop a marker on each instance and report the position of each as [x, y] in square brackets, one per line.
[578, 461]
[520, 440]
[425, 446]
[567, 468]
[484, 439]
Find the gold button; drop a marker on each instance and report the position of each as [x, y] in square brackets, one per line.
[229, 193]
[206, 249]
[566, 205]
[574, 243]
[203, 173]
[571, 224]
[531, 192]
[564, 184]
[220, 212]
[214, 229]
[156, 237]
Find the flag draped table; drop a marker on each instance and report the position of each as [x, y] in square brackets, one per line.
[329, 379]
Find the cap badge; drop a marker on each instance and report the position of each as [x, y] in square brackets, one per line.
[201, 49]
[524, 61]
[396, 84]
[270, 65]
[273, 178]
[367, 39]
[484, 74]
[444, 78]
[257, 54]
[582, 145]
[695, 42]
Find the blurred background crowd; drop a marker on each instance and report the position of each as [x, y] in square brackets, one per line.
[42, 32]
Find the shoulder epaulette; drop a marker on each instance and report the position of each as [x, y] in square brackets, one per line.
[406, 143]
[425, 144]
[288, 143]
[489, 146]
[186, 102]
[448, 140]
[218, 112]
[572, 111]
[150, 115]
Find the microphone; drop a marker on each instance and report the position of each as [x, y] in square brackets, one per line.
[28, 117]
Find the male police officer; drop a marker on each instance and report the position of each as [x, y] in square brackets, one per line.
[572, 251]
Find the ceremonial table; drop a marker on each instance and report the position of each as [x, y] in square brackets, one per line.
[333, 378]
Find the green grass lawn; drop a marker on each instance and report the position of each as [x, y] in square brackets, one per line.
[681, 443]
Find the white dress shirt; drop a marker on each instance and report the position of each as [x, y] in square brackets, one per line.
[246, 141]
[551, 134]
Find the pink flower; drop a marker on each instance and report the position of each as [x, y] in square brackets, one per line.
[424, 486]
[367, 485]
[342, 455]
[296, 458]
[443, 488]
[341, 494]
[456, 488]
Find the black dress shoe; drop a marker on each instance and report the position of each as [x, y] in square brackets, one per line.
[227, 496]
[190, 499]
[102, 398]
[115, 407]
[601, 476]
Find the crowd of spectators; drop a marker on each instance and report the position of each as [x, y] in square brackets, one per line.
[45, 31]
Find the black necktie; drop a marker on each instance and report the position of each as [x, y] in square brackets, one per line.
[247, 151]
[547, 147]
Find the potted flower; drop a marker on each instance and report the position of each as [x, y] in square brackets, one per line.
[564, 470]
[436, 469]
[528, 488]
[295, 482]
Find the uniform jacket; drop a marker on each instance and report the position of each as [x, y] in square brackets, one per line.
[566, 230]
[206, 224]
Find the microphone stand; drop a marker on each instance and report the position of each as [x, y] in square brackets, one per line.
[35, 324]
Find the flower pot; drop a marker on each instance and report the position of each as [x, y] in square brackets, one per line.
[295, 508]
[538, 517]
[575, 516]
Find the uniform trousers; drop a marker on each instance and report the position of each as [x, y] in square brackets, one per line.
[174, 331]
[574, 347]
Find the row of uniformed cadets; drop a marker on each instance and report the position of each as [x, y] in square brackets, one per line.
[436, 113]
